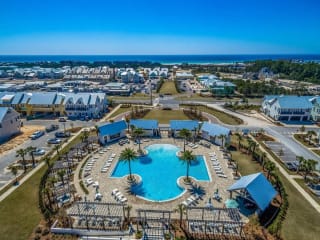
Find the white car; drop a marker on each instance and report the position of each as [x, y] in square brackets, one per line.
[39, 152]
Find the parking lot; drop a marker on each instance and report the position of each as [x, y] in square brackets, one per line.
[284, 153]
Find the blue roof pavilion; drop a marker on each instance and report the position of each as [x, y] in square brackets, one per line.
[144, 124]
[258, 187]
[190, 125]
[215, 129]
[112, 128]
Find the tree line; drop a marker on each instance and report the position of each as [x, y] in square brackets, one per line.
[309, 72]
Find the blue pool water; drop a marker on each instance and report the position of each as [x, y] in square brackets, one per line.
[160, 170]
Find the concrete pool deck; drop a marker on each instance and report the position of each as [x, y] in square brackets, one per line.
[108, 183]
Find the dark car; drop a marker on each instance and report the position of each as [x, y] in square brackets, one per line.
[61, 134]
[52, 127]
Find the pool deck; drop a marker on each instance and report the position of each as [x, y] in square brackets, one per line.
[107, 183]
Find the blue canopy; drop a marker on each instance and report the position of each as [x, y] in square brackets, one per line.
[112, 128]
[259, 188]
[214, 129]
[144, 124]
[183, 124]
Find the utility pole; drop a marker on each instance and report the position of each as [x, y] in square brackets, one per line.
[150, 93]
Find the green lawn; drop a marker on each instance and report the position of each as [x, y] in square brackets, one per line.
[302, 220]
[164, 116]
[168, 87]
[222, 116]
[119, 111]
[19, 212]
[316, 151]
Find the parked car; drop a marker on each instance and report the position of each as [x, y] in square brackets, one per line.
[62, 134]
[37, 134]
[62, 119]
[54, 141]
[52, 127]
[39, 152]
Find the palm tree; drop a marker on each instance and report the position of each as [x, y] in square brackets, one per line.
[127, 119]
[309, 134]
[250, 144]
[181, 210]
[239, 137]
[307, 166]
[31, 150]
[57, 148]
[185, 134]
[187, 157]
[128, 155]
[222, 137]
[262, 159]
[47, 160]
[97, 130]
[138, 132]
[22, 152]
[14, 171]
[270, 167]
[47, 192]
[61, 174]
[302, 128]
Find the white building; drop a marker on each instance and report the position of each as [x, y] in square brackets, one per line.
[112, 131]
[10, 123]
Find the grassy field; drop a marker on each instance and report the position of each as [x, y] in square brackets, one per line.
[301, 221]
[119, 111]
[19, 212]
[164, 116]
[168, 87]
[222, 116]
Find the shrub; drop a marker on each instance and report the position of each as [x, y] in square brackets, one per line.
[38, 230]
[45, 231]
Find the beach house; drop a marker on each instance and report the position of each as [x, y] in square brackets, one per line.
[10, 123]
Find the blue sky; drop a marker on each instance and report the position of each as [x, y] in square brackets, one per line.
[159, 27]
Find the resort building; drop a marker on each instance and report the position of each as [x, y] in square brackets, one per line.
[86, 105]
[184, 76]
[177, 125]
[288, 108]
[215, 133]
[256, 189]
[315, 111]
[215, 85]
[10, 123]
[121, 89]
[73, 105]
[112, 131]
[150, 127]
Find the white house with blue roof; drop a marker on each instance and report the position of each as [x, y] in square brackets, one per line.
[215, 133]
[288, 108]
[10, 123]
[112, 131]
[256, 189]
[150, 127]
[177, 125]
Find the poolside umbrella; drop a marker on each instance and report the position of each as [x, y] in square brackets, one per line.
[231, 203]
[209, 204]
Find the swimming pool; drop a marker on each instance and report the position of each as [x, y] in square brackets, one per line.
[160, 170]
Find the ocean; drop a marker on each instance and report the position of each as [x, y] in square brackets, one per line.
[164, 59]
